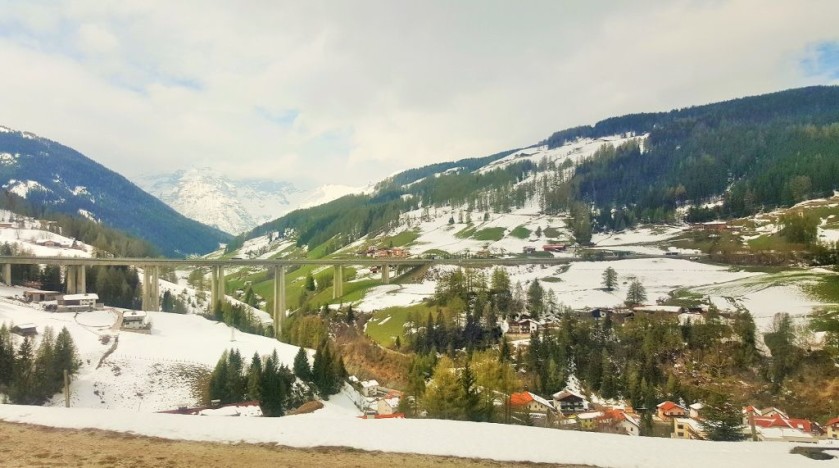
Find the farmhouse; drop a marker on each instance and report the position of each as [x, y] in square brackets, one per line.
[78, 302]
[687, 428]
[530, 402]
[570, 401]
[369, 388]
[134, 320]
[37, 295]
[832, 427]
[668, 410]
[25, 329]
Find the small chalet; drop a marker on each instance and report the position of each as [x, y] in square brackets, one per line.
[389, 404]
[832, 428]
[77, 302]
[668, 410]
[25, 329]
[522, 327]
[369, 388]
[37, 295]
[134, 320]
[696, 410]
[569, 401]
[530, 402]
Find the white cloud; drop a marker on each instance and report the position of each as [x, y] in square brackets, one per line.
[375, 86]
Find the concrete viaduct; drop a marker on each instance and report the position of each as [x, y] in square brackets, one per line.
[75, 271]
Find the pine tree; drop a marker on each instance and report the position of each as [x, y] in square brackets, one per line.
[636, 295]
[610, 279]
[255, 378]
[310, 282]
[470, 403]
[350, 315]
[301, 366]
[444, 394]
[45, 381]
[23, 384]
[66, 356]
[7, 357]
[534, 298]
[722, 420]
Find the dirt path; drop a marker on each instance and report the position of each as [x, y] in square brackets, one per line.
[23, 445]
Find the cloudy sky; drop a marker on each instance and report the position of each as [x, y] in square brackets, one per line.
[351, 91]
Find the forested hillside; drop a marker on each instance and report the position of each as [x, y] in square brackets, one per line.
[59, 179]
[757, 153]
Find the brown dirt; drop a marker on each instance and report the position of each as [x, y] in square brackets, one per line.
[23, 445]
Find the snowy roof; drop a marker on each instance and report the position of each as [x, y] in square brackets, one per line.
[658, 308]
[697, 406]
[566, 393]
[134, 314]
[39, 291]
[695, 425]
[77, 297]
[590, 415]
[369, 383]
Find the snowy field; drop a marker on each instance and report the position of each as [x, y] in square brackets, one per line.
[432, 437]
[144, 372]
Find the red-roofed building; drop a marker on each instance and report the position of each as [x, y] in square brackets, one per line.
[832, 427]
[669, 410]
[526, 401]
[617, 421]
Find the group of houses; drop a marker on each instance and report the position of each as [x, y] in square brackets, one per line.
[768, 424]
[375, 401]
[55, 301]
[385, 252]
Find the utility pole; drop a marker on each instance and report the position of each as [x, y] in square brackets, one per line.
[66, 389]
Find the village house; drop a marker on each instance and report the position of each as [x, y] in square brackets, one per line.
[389, 404]
[687, 428]
[25, 329]
[134, 320]
[668, 410]
[522, 327]
[37, 295]
[78, 302]
[696, 410]
[772, 424]
[569, 401]
[832, 428]
[530, 402]
[619, 422]
[369, 388]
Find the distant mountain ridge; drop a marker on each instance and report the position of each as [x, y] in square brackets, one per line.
[234, 205]
[753, 153]
[63, 180]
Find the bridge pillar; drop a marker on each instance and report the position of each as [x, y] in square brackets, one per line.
[7, 274]
[217, 282]
[151, 289]
[70, 279]
[337, 281]
[386, 273]
[279, 300]
[81, 279]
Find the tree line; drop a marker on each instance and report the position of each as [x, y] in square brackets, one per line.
[31, 375]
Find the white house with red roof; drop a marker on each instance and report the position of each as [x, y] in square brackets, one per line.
[832, 428]
[668, 410]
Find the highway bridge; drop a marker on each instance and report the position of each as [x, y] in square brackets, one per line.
[75, 268]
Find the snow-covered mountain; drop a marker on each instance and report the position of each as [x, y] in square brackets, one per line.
[234, 206]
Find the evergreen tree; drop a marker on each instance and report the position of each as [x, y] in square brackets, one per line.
[310, 282]
[722, 420]
[301, 366]
[350, 315]
[7, 357]
[610, 279]
[636, 294]
[254, 378]
[168, 302]
[22, 390]
[534, 298]
[471, 403]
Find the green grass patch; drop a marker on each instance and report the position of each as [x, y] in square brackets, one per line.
[489, 234]
[552, 279]
[402, 239]
[466, 232]
[385, 333]
[551, 232]
[521, 232]
[825, 289]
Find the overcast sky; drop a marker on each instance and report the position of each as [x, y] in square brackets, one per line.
[352, 91]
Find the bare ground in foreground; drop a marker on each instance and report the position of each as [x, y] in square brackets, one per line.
[24, 445]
